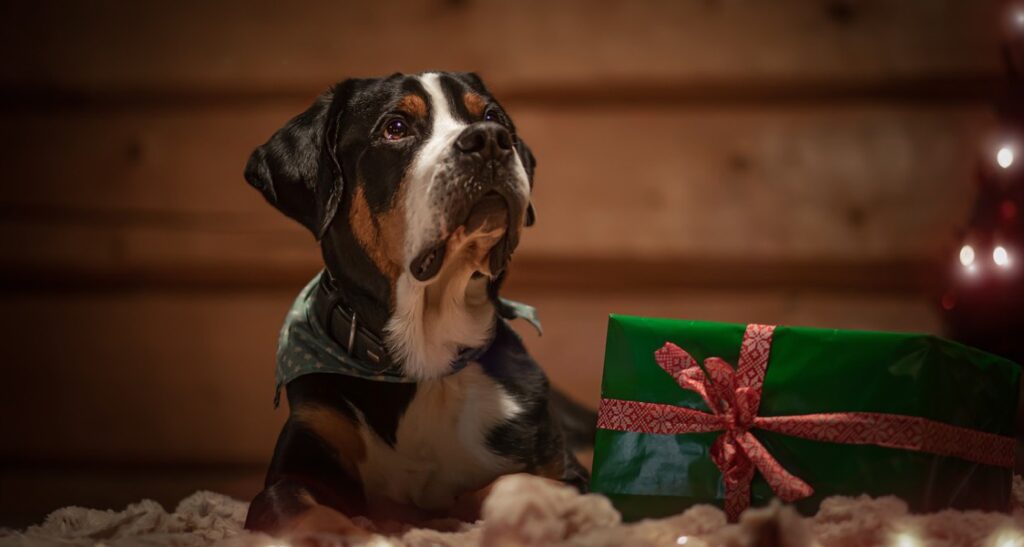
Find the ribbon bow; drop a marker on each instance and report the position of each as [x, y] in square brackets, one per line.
[733, 397]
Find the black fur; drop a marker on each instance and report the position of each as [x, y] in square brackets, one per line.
[297, 169]
[310, 170]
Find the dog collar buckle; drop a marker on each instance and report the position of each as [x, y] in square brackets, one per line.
[352, 334]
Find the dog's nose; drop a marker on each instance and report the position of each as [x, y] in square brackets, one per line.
[485, 138]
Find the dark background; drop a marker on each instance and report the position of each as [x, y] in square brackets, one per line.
[799, 162]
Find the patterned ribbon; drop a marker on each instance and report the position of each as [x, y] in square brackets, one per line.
[733, 396]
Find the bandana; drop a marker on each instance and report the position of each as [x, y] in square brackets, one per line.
[304, 347]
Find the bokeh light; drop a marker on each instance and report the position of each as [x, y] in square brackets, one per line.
[967, 255]
[1000, 256]
[1004, 157]
[906, 539]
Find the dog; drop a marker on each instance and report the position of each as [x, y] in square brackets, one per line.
[407, 389]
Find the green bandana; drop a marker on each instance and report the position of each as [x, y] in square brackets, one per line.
[304, 347]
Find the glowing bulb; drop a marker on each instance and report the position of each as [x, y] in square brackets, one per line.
[1004, 157]
[1018, 17]
[906, 540]
[967, 255]
[1000, 256]
[1008, 538]
[681, 540]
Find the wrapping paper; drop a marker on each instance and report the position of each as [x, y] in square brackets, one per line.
[809, 372]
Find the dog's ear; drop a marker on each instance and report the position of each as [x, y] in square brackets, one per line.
[529, 164]
[297, 170]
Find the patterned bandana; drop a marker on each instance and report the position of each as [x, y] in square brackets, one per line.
[304, 347]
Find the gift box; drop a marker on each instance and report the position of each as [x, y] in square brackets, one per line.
[735, 415]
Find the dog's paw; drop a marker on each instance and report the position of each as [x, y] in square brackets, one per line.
[321, 526]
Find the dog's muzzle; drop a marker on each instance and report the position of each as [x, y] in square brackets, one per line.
[485, 193]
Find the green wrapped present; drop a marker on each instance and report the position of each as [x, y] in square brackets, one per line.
[696, 412]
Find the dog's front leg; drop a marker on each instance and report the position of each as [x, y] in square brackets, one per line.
[312, 485]
[288, 508]
[555, 457]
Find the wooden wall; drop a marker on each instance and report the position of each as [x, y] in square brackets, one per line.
[796, 161]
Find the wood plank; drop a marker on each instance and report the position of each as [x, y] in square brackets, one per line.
[186, 377]
[89, 258]
[773, 184]
[163, 187]
[171, 377]
[152, 161]
[230, 46]
[926, 90]
[69, 255]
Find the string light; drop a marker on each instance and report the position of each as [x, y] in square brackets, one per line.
[682, 540]
[1000, 256]
[967, 255]
[1007, 538]
[906, 539]
[1004, 157]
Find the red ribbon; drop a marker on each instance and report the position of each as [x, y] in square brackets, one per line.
[733, 396]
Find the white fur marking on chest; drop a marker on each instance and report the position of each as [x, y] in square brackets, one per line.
[431, 324]
[441, 449]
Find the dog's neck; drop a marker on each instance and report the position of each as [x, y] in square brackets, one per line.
[363, 289]
[424, 326]
[432, 324]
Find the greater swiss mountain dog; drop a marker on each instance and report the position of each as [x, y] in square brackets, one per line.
[417, 188]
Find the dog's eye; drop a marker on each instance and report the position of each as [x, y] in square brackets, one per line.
[395, 129]
[492, 116]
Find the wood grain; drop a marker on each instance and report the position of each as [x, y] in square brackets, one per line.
[162, 190]
[225, 47]
[790, 162]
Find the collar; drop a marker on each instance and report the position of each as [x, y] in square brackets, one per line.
[321, 334]
[342, 325]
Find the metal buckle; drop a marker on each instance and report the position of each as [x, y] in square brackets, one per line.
[352, 334]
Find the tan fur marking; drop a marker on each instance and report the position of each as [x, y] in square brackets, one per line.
[475, 104]
[321, 519]
[414, 105]
[337, 430]
[383, 238]
[361, 220]
[391, 227]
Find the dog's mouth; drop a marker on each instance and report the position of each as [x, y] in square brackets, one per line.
[485, 231]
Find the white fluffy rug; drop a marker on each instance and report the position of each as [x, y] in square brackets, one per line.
[526, 511]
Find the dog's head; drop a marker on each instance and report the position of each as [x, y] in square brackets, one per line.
[419, 159]
[421, 176]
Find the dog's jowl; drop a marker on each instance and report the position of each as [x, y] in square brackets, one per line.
[407, 390]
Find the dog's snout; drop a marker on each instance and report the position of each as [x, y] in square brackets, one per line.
[487, 139]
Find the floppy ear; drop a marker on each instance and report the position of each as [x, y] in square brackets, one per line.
[530, 164]
[297, 170]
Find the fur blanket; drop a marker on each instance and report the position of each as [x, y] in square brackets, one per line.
[526, 511]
